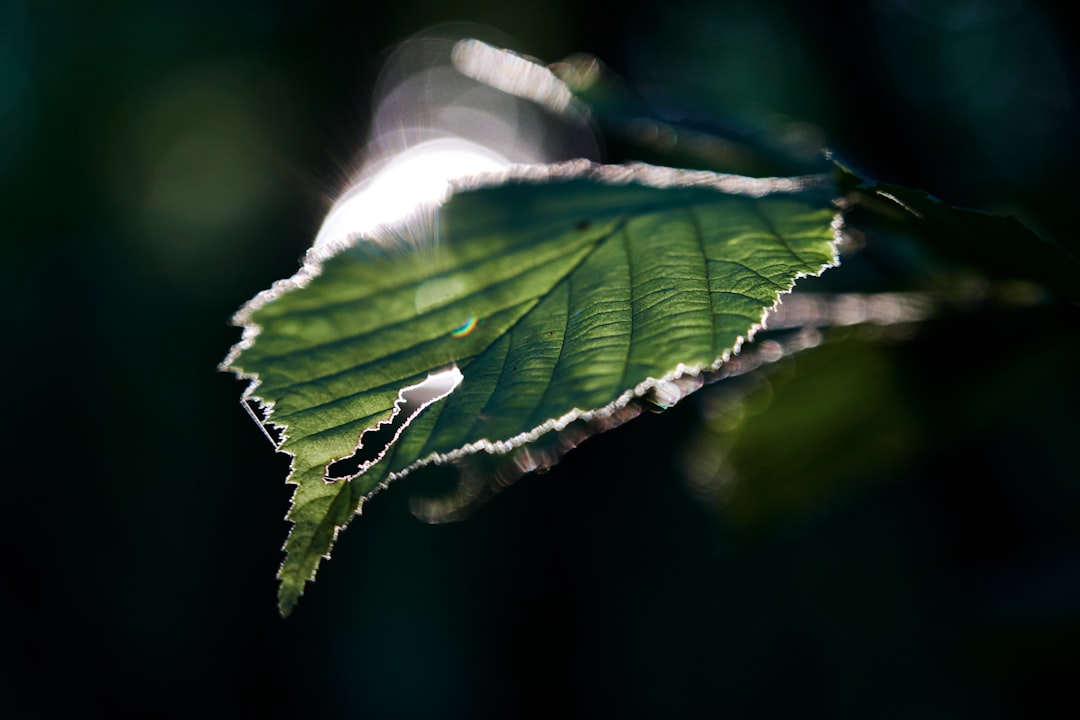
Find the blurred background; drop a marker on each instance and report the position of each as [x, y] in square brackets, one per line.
[886, 526]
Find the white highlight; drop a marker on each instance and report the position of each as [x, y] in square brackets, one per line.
[513, 74]
[416, 177]
[898, 201]
[450, 109]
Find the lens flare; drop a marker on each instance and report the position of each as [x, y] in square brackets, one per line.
[449, 108]
[465, 328]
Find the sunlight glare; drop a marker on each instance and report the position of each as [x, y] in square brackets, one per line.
[418, 176]
[448, 108]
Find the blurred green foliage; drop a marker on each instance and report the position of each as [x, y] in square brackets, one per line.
[162, 162]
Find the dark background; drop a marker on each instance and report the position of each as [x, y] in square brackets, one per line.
[902, 534]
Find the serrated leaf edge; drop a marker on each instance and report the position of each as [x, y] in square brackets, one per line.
[630, 173]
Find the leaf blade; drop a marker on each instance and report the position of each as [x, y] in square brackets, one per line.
[557, 301]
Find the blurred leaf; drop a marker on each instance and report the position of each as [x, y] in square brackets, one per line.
[558, 301]
[632, 127]
[999, 245]
[791, 440]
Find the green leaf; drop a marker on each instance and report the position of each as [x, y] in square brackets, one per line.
[561, 295]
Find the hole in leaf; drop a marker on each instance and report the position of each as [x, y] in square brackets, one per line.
[375, 441]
